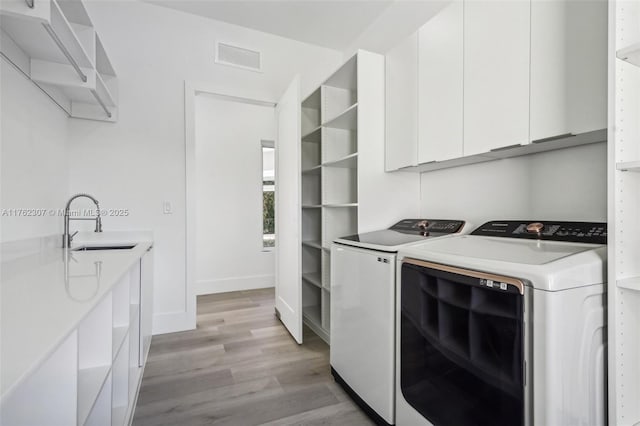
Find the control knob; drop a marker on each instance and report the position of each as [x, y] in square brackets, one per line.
[424, 227]
[535, 228]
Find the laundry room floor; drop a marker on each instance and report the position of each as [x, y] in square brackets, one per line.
[241, 367]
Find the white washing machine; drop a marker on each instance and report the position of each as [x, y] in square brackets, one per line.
[505, 326]
[363, 271]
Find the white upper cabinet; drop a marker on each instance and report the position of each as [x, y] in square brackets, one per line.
[496, 74]
[440, 88]
[568, 67]
[401, 147]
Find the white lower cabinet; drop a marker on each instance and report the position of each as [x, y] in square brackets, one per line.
[93, 376]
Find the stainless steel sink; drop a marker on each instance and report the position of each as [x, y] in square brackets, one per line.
[112, 247]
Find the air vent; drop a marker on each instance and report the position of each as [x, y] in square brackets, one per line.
[228, 54]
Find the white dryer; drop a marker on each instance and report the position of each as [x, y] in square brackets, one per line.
[505, 326]
[363, 271]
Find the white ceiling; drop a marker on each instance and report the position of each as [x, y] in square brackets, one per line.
[329, 23]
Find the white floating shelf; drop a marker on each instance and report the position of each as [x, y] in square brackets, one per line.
[313, 278]
[312, 244]
[90, 382]
[628, 166]
[312, 170]
[55, 45]
[629, 283]
[347, 120]
[311, 206]
[313, 136]
[630, 54]
[348, 162]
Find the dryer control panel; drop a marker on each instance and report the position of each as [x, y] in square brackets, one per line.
[427, 226]
[575, 232]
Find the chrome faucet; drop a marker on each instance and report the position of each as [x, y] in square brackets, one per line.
[66, 237]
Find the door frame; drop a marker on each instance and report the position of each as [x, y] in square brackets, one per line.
[191, 90]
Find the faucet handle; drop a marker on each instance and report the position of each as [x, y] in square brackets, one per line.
[72, 235]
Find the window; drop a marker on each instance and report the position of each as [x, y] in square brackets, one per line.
[268, 194]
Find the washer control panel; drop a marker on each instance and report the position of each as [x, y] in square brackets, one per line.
[576, 232]
[427, 226]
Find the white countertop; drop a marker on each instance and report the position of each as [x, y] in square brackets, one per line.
[45, 294]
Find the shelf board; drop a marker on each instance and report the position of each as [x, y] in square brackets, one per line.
[630, 54]
[346, 120]
[347, 162]
[628, 166]
[340, 205]
[312, 170]
[119, 334]
[313, 136]
[313, 244]
[632, 283]
[311, 206]
[312, 314]
[90, 382]
[313, 278]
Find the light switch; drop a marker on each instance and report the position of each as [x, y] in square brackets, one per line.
[166, 207]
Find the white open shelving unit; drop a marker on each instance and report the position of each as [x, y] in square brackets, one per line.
[624, 213]
[54, 44]
[329, 164]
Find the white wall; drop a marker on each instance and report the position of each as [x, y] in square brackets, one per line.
[568, 184]
[34, 134]
[230, 255]
[139, 161]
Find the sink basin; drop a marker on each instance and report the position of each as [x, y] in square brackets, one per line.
[114, 247]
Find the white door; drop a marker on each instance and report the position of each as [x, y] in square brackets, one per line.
[288, 248]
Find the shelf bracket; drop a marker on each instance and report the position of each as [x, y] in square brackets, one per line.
[64, 50]
[104, 107]
[30, 3]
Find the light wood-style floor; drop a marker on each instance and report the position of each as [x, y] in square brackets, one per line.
[241, 367]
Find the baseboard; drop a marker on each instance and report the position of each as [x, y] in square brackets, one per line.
[172, 322]
[225, 285]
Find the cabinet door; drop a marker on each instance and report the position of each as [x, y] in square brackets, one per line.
[146, 304]
[401, 145]
[568, 67]
[496, 74]
[440, 86]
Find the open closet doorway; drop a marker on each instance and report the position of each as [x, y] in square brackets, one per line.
[234, 192]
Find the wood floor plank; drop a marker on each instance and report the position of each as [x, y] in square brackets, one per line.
[241, 367]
